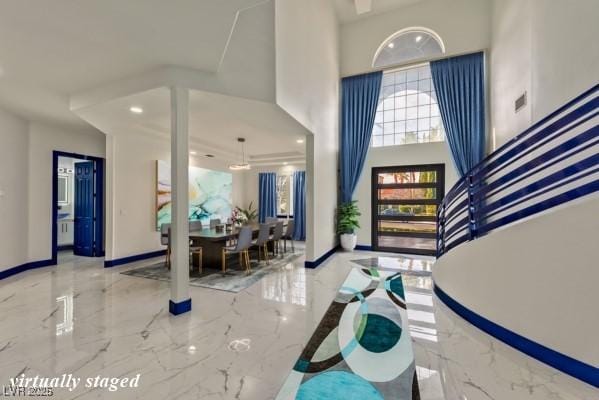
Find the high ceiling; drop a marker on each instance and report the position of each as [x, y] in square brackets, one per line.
[215, 123]
[347, 9]
[51, 49]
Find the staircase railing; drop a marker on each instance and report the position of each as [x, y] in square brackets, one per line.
[553, 162]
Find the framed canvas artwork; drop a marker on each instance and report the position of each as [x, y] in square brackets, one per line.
[210, 194]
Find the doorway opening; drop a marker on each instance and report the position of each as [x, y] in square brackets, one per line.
[404, 207]
[78, 206]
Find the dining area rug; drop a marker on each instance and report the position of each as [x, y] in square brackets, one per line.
[362, 348]
[234, 280]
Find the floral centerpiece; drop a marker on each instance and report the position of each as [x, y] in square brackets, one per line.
[241, 216]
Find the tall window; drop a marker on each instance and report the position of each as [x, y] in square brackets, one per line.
[285, 195]
[407, 111]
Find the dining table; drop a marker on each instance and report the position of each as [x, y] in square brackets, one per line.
[212, 241]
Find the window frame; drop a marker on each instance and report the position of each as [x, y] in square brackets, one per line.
[290, 199]
[389, 105]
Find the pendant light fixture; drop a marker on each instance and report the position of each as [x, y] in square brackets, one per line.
[243, 165]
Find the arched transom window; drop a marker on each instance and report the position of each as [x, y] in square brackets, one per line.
[408, 45]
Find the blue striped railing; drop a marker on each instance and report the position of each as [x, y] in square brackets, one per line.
[553, 162]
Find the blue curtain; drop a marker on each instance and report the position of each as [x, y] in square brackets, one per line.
[459, 82]
[359, 99]
[299, 205]
[267, 200]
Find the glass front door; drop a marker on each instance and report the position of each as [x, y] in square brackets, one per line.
[404, 207]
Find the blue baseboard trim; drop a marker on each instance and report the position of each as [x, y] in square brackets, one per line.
[25, 267]
[321, 259]
[364, 247]
[179, 308]
[130, 259]
[64, 247]
[557, 360]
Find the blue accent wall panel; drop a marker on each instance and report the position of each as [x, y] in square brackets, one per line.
[321, 259]
[557, 360]
[130, 259]
[25, 267]
[179, 308]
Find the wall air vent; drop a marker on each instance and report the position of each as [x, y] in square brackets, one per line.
[520, 102]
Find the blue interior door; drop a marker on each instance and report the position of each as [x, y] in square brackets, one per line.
[84, 209]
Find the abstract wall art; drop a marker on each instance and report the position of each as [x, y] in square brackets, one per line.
[210, 194]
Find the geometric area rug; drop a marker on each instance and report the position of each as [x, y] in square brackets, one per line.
[362, 348]
[235, 280]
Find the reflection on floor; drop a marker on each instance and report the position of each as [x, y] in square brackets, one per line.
[67, 256]
[407, 265]
[82, 319]
[403, 242]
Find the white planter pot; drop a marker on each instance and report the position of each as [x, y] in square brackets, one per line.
[349, 241]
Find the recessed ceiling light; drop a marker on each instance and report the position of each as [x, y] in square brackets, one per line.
[418, 38]
[391, 45]
[136, 110]
[193, 153]
[300, 140]
[285, 163]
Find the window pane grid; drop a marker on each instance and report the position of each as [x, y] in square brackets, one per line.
[407, 111]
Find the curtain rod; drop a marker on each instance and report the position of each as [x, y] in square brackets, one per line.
[396, 67]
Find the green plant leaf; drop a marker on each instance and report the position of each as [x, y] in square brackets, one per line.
[347, 217]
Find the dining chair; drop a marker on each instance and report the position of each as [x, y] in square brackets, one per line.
[244, 241]
[165, 240]
[289, 236]
[271, 220]
[193, 247]
[276, 237]
[262, 241]
[214, 223]
[195, 225]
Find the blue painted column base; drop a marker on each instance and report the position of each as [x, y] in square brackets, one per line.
[179, 308]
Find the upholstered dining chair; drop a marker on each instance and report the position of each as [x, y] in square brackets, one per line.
[276, 237]
[262, 241]
[193, 248]
[271, 220]
[244, 241]
[289, 236]
[195, 225]
[165, 240]
[214, 223]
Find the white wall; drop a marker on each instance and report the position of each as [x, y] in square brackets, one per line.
[544, 267]
[43, 139]
[131, 190]
[547, 48]
[14, 143]
[464, 26]
[411, 154]
[307, 61]
[26, 183]
[251, 180]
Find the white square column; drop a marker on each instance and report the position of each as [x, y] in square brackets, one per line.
[180, 301]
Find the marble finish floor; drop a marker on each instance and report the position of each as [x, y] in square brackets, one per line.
[79, 318]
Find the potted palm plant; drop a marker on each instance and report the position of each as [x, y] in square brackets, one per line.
[347, 223]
